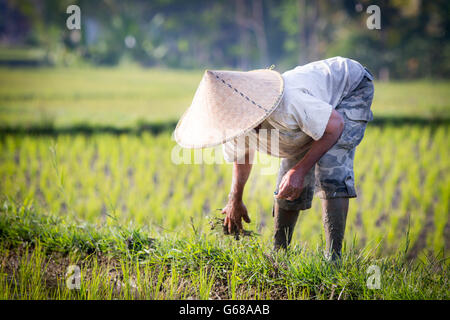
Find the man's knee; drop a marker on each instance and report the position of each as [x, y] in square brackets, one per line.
[339, 204]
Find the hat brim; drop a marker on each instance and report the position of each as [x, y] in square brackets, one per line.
[228, 104]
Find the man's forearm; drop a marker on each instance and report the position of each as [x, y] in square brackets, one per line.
[317, 150]
[235, 209]
[291, 184]
[320, 147]
[241, 172]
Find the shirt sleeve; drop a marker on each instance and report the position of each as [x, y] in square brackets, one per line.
[236, 149]
[310, 113]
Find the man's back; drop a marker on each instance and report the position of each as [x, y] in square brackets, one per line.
[328, 80]
[311, 92]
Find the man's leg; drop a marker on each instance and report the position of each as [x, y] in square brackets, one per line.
[286, 212]
[334, 171]
[336, 184]
[334, 216]
[285, 221]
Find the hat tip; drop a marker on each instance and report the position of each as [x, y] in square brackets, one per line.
[210, 74]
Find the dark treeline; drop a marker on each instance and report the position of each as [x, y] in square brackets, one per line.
[155, 128]
[244, 34]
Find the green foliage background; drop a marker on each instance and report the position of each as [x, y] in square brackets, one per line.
[412, 42]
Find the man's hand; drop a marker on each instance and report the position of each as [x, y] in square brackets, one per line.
[235, 211]
[291, 185]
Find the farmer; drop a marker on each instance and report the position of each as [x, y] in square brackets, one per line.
[319, 113]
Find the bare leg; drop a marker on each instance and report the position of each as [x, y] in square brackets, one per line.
[285, 221]
[334, 215]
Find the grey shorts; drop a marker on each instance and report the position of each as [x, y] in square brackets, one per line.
[333, 176]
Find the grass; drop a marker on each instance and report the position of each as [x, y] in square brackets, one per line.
[401, 177]
[125, 263]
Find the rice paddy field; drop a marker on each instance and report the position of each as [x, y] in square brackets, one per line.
[90, 177]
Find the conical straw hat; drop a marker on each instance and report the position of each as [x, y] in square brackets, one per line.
[228, 104]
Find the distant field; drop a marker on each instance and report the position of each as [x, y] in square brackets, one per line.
[103, 96]
[75, 194]
[122, 97]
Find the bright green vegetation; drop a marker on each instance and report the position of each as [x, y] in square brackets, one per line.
[122, 262]
[107, 201]
[402, 176]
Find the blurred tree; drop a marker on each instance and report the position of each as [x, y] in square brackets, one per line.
[413, 40]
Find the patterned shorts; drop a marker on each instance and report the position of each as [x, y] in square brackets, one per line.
[333, 176]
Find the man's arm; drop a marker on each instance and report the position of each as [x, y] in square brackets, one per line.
[291, 184]
[235, 209]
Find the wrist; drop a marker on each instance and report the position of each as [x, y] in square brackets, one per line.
[234, 196]
[297, 171]
[303, 166]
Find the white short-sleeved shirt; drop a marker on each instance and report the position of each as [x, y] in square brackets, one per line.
[311, 92]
